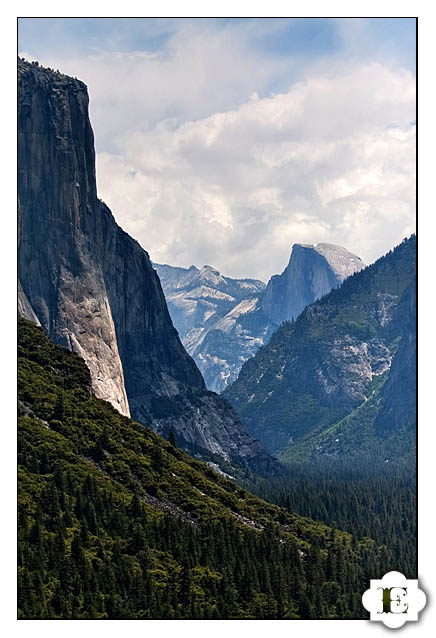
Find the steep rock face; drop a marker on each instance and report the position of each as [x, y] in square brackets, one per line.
[218, 318]
[59, 272]
[24, 308]
[318, 369]
[93, 288]
[313, 270]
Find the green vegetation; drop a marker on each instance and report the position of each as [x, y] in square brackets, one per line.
[365, 499]
[313, 372]
[116, 522]
[356, 437]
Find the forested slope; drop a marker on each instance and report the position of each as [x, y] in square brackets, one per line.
[116, 522]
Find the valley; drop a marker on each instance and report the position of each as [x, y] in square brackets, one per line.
[193, 445]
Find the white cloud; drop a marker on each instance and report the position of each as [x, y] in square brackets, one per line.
[202, 164]
[201, 69]
[330, 160]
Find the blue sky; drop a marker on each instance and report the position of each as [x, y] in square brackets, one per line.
[307, 36]
[224, 141]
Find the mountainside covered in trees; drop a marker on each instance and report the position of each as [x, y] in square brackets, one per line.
[384, 425]
[325, 384]
[365, 498]
[93, 288]
[116, 522]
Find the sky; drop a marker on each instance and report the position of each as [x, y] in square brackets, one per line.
[225, 141]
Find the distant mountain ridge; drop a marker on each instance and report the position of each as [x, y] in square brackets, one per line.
[222, 322]
[218, 319]
[339, 360]
[174, 277]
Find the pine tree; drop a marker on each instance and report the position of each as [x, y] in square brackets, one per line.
[172, 437]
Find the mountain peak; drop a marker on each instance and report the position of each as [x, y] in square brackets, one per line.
[334, 254]
[313, 270]
[212, 275]
[343, 262]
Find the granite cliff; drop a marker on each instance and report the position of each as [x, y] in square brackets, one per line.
[312, 271]
[93, 288]
[60, 226]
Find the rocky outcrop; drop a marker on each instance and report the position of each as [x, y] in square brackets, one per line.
[318, 369]
[312, 271]
[93, 288]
